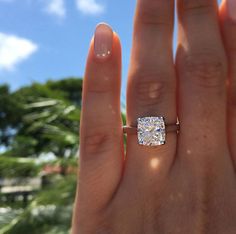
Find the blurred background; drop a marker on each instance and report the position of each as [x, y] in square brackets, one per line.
[43, 49]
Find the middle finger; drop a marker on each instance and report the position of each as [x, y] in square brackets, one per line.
[202, 72]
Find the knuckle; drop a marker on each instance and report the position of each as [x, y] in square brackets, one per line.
[148, 13]
[198, 7]
[102, 82]
[148, 90]
[152, 20]
[104, 88]
[100, 140]
[206, 70]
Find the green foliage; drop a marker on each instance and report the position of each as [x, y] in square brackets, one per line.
[41, 118]
[54, 123]
[61, 191]
[49, 213]
[8, 117]
[70, 88]
[18, 167]
[41, 220]
[7, 215]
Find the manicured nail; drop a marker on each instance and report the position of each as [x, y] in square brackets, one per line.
[231, 8]
[103, 40]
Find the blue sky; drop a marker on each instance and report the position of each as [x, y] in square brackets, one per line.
[42, 39]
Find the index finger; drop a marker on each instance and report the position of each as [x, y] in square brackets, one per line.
[101, 137]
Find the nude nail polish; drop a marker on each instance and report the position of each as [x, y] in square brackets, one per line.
[231, 9]
[103, 40]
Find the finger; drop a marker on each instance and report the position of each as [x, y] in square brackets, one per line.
[202, 72]
[101, 146]
[228, 23]
[151, 84]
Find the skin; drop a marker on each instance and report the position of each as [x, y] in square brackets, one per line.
[188, 185]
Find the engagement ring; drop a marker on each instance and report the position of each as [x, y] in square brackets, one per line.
[151, 131]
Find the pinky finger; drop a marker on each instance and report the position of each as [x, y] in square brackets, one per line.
[228, 24]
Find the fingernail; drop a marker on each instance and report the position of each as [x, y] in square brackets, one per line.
[103, 40]
[231, 8]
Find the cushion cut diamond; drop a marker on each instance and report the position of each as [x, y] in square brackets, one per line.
[151, 131]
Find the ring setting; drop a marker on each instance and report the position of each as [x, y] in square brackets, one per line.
[151, 131]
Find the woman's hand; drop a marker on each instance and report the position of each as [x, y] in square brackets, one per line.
[187, 185]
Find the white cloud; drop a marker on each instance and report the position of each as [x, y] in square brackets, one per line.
[14, 50]
[56, 7]
[91, 7]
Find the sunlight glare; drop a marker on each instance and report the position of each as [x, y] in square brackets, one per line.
[154, 163]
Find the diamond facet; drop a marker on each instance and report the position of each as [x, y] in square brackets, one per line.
[151, 131]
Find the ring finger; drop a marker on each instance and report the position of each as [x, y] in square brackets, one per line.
[151, 86]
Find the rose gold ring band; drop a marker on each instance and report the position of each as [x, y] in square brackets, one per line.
[168, 128]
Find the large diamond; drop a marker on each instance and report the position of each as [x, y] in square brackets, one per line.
[151, 131]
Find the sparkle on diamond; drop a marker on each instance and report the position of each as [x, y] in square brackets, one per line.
[151, 131]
